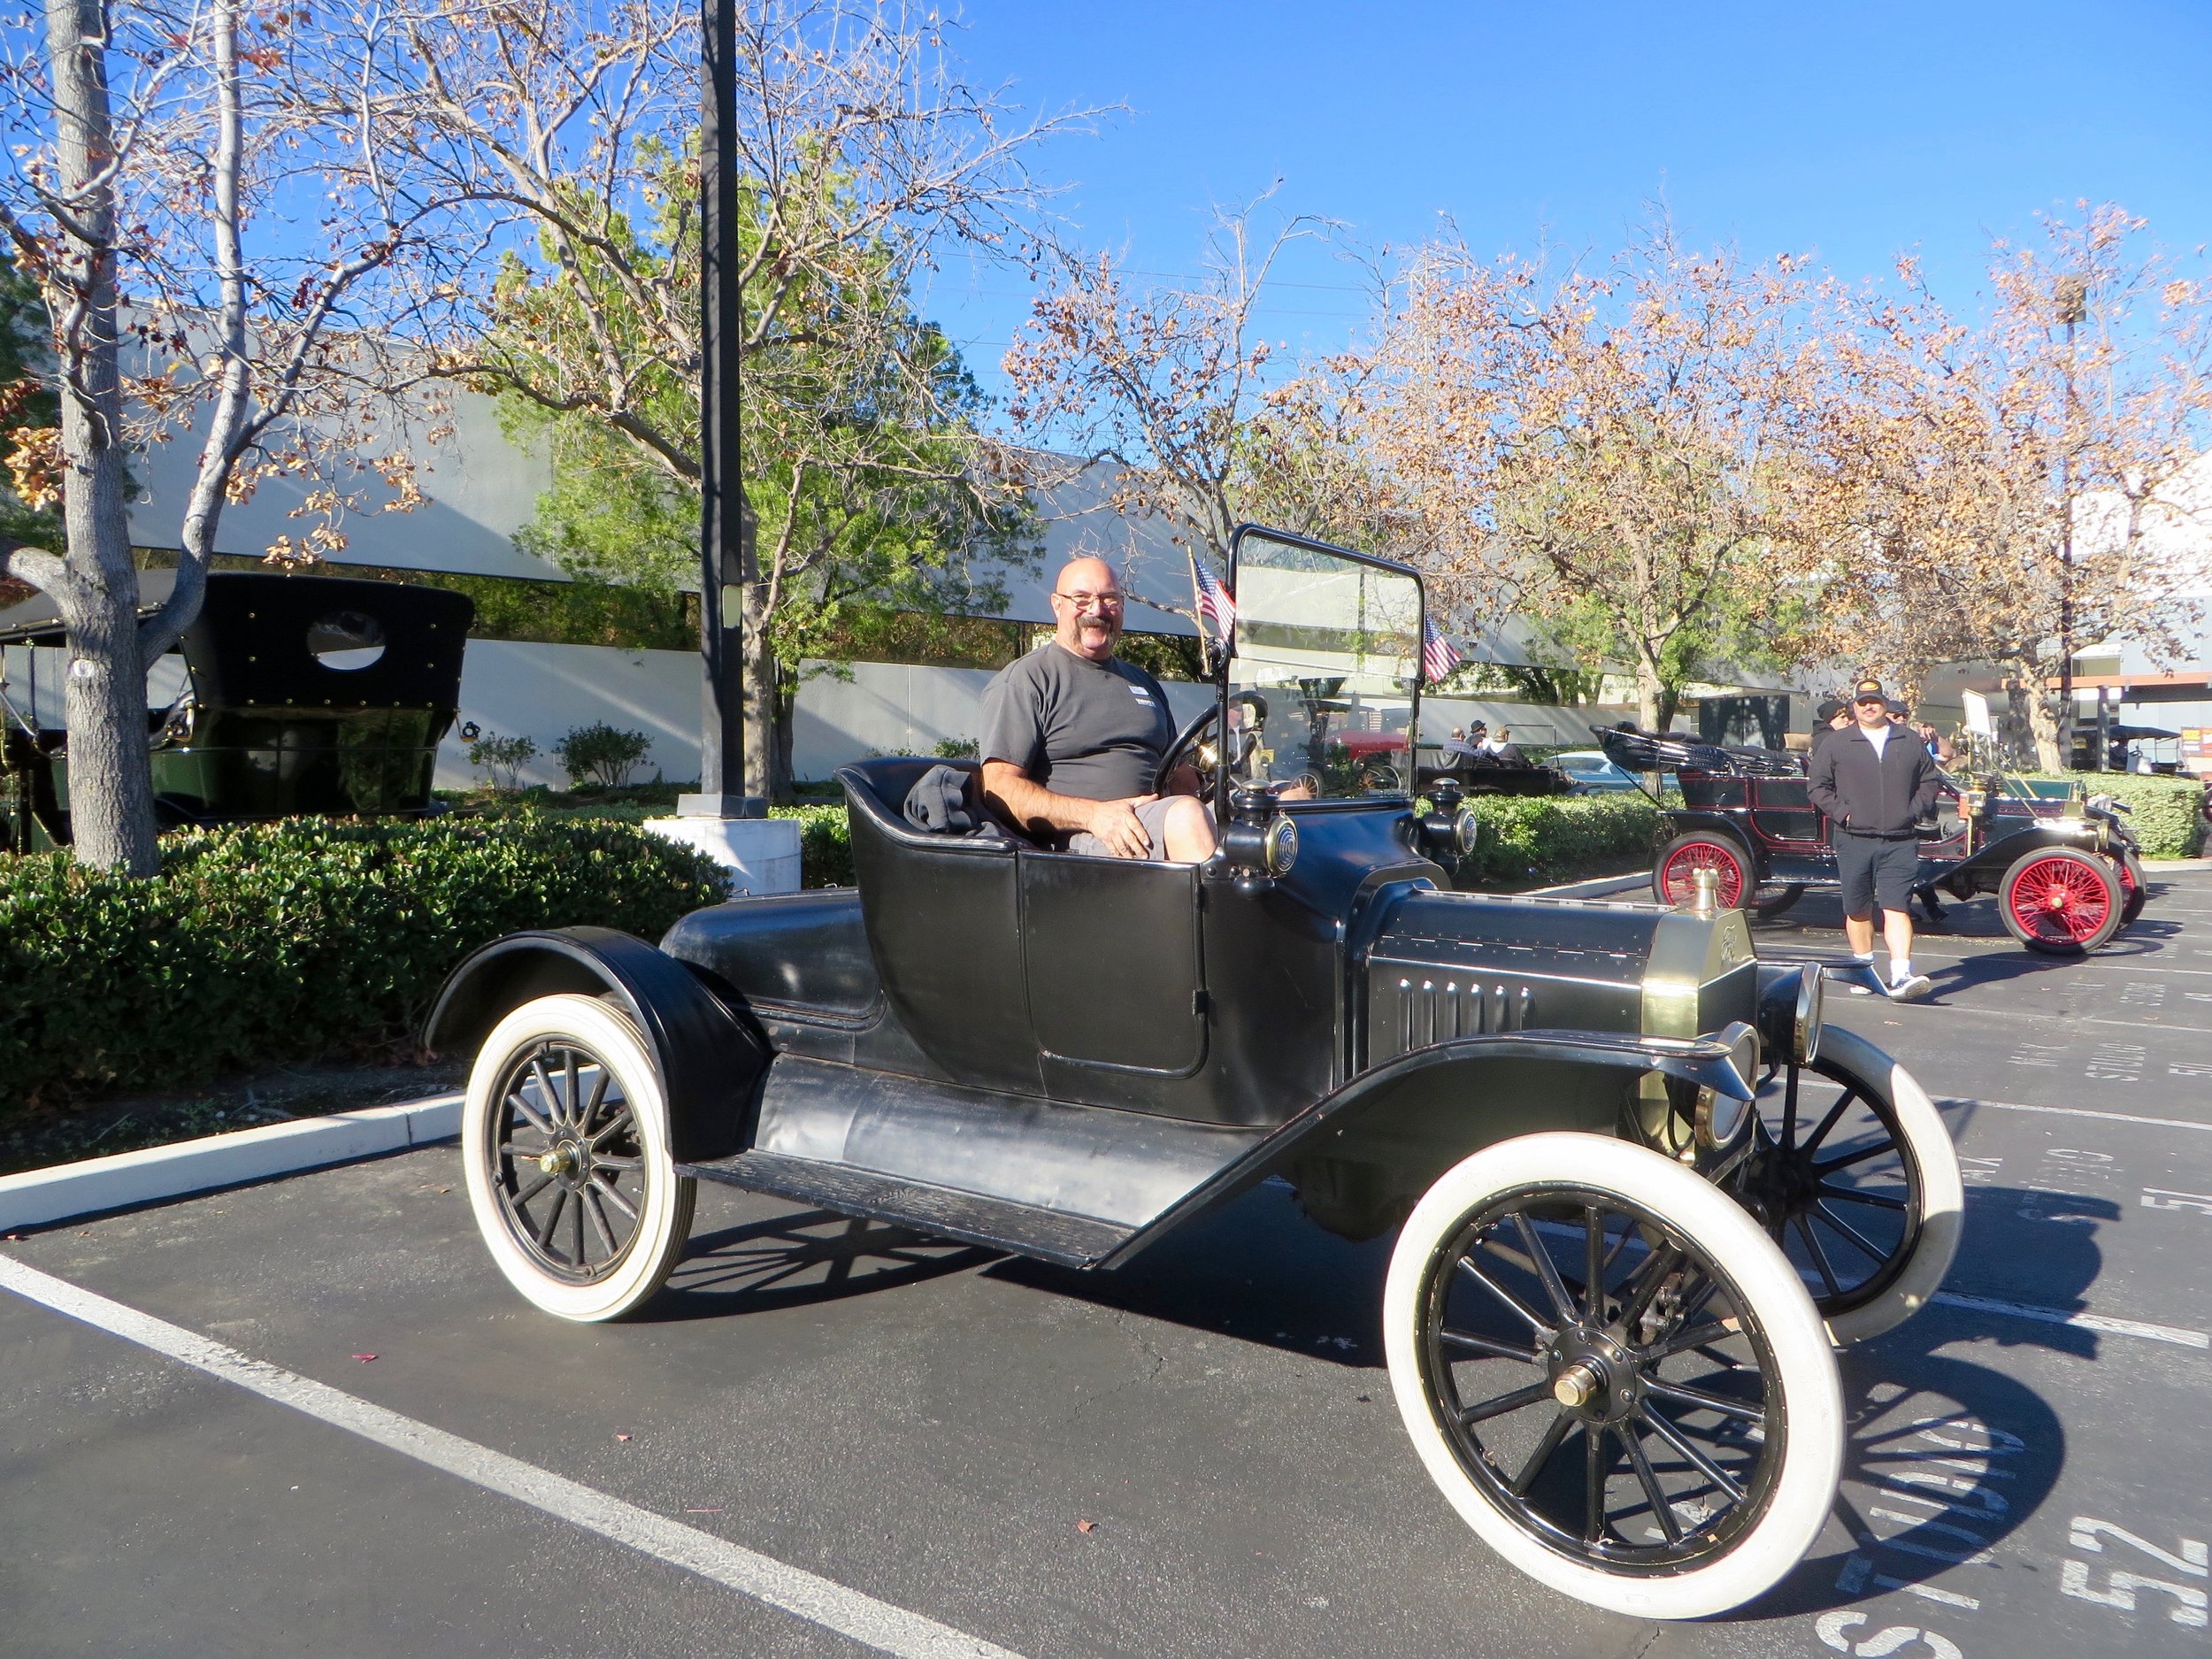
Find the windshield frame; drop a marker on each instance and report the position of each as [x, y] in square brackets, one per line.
[1420, 678]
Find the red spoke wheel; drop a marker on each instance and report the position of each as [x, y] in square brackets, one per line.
[1674, 878]
[2131, 887]
[2061, 902]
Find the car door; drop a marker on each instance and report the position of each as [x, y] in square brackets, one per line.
[1783, 810]
[1113, 968]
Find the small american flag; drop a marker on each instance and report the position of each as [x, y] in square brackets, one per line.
[1438, 656]
[1214, 603]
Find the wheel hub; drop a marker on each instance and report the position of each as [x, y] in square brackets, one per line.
[564, 1158]
[1590, 1374]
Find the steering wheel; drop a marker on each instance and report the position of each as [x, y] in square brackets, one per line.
[1181, 752]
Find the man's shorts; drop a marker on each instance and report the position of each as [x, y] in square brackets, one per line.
[1877, 871]
[1152, 815]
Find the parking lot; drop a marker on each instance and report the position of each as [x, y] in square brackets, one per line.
[958, 1452]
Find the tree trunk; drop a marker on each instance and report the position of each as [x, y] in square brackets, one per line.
[1650, 697]
[110, 779]
[2041, 706]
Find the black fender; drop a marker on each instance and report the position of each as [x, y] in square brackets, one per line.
[1362, 1155]
[1683, 820]
[710, 1057]
[1986, 868]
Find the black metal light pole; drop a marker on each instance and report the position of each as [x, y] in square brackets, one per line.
[724, 525]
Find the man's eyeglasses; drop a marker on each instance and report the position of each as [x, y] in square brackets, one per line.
[1086, 601]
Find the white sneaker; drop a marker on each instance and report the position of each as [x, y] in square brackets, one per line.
[1912, 989]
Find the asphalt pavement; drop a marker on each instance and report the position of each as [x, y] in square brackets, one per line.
[350, 1437]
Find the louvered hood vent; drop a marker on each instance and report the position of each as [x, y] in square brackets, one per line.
[1451, 966]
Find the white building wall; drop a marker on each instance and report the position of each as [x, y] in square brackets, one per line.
[543, 692]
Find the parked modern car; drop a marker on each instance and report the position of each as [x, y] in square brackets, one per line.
[1640, 1188]
[1591, 773]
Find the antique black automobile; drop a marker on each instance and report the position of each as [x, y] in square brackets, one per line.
[1640, 1189]
[2066, 873]
[286, 694]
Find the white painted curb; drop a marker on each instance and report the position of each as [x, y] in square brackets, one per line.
[38, 1196]
[1594, 889]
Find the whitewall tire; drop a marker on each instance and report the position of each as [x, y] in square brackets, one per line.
[1857, 1179]
[565, 1143]
[1665, 1446]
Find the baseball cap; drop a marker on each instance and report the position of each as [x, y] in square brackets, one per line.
[1868, 690]
[1829, 710]
[1896, 707]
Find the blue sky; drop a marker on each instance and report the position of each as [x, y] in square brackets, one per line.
[1849, 131]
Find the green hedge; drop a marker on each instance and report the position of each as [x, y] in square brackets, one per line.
[2168, 818]
[291, 940]
[1560, 838]
[825, 843]
[1556, 839]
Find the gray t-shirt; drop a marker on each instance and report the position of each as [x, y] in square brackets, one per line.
[1093, 730]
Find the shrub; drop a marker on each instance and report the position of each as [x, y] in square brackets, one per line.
[2168, 818]
[284, 941]
[601, 754]
[1560, 838]
[825, 843]
[497, 756]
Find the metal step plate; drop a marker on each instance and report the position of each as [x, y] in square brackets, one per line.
[1049, 1235]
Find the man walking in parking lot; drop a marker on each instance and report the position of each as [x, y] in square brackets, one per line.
[1875, 781]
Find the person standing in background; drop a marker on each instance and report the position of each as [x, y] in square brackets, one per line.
[1876, 783]
[1831, 717]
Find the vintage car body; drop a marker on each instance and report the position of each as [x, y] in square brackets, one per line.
[2067, 872]
[292, 694]
[1070, 1057]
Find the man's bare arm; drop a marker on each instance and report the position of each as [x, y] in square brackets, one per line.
[1037, 809]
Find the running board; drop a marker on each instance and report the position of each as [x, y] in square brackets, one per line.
[998, 1224]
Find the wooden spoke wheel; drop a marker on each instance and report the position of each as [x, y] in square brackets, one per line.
[1856, 1181]
[564, 1144]
[1613, 1375]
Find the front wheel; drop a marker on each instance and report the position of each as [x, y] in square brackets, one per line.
[1614, 1376]
[2131, 869]
[2061, 902]
[1857, 1179]
[565, 1145]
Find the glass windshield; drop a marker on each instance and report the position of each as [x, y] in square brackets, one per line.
[1328, 652]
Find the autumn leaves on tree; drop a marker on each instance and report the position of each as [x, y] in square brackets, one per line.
[1681, 464]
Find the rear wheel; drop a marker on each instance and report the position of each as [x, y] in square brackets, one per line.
[1773, 903]
[1613, 1375]
[1674, 876]
[2131, 888]
[2059, 902]
[564, 1145]
[1856, 1181]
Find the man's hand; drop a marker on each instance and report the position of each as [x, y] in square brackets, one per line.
[1114, 823]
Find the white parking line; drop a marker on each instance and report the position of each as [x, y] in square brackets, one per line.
[2084, 1321]
[2079, 1111]
[2072, 1019]
[806, 1595]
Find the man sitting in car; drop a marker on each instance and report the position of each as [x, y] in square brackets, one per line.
[1073, 737]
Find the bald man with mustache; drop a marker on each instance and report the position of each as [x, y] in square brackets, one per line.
[1073, 737]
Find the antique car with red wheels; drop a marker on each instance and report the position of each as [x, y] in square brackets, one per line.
[2066, 873]
[1640, 1188]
